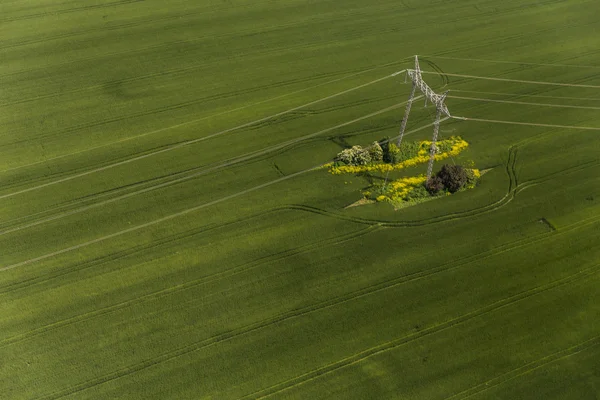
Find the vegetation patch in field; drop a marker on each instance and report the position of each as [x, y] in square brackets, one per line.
[417, 189]
[384, 157]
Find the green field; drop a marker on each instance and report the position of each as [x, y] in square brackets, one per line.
[164, 233]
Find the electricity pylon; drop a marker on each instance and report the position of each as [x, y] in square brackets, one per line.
[436, 129]
[436, 99]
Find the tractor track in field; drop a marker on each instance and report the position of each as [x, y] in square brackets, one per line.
[16, 224]
[170, 355]
[354, 73]
[504, 39]
[151, 21]
[267, 259]
[155, 111]
[239, 269]
[391, 345]
[70, 10]
[193, 141]
[512, 190]
[175, 17]
[171, 72]
[366, 291]
[510, 194]
[528, 368]
[258, 50]
[521, 62]
[205, 170]
[143, 248]
[377, 287]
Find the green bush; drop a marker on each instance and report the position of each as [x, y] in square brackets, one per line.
[453, 177]
[418, 193]
[385, 147]
[376, 152]
[434, 185]
[407, 151]
[443, 147]
[471, 178]
[394, 153]
[355, 155]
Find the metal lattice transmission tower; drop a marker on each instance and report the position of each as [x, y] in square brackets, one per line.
[436, 99]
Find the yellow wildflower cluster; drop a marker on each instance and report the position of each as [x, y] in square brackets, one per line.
[457, 146]
[399, 189]
[424, 147]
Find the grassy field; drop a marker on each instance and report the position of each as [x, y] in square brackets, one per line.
[164, 233]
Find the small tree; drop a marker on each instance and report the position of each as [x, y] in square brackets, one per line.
[345, 156]
[434, 185]
[394, 153]
[376, 152]
[454, 177]
[361, 156]
[356, 155]
[385, 147]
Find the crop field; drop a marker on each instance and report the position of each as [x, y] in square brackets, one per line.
[166, 231]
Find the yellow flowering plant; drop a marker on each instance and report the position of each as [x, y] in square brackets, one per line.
[452, 146]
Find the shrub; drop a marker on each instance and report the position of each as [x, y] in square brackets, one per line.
[345, 156]
[361, 156]
[434, 185]
[394, 153]
[356, 155]
[443, 146]
[376, 152]
[473, 176]
[407, 151]
[417, 193]
[384, 144]
[453, 177]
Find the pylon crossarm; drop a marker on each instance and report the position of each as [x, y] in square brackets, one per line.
[429, 94]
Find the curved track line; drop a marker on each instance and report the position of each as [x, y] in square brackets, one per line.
[518, 188]
[442, 218]
[134, 250]
[304, 208]
[382, 348]
[311, 247]
[178, 214]
[326, 304]
[513, 189]
[294, 314]
[227, 163]
[162, 74]
[245, 267]
[188, 142]
[154, 222]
